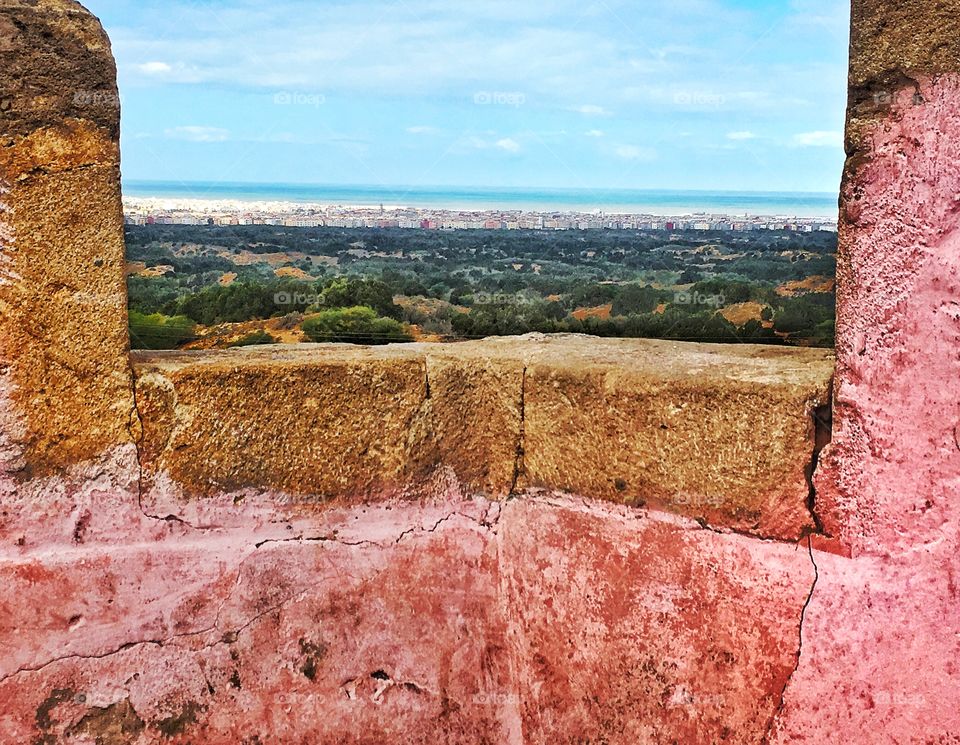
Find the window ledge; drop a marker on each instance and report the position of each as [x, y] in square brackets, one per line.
[721, 433]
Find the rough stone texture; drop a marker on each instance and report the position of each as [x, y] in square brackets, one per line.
[64, 381]
[722, 433]
[335, 424]
[890, 39]
[896, 453]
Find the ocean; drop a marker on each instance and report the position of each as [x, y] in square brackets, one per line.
[641, 201]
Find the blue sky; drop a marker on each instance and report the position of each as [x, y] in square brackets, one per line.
[677, 94]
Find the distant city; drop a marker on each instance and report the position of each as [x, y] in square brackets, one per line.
[163, 211]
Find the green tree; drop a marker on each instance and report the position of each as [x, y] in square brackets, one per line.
[357, 325]
[158, 331]
[636, 299]
[349, 292]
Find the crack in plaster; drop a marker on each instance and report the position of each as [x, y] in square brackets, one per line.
[483, 522]
[228, 637]
[102, 656]
[704, 525]
[486, 521]
[799, 654]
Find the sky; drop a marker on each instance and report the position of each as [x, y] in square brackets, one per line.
[734, 95]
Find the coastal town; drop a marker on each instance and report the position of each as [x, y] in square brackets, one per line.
[155, 211]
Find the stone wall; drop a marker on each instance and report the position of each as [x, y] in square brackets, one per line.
[550, 539]
[64, 377]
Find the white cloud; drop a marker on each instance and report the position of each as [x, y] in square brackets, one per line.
[632, 152]
[584, 58]
[393, 67]
[475, 142]
[155, 68]
[422, 129]
[198, 134]
[819, 139]
[741, 136]
[591, 110]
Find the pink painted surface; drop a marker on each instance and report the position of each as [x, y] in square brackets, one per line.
[453, 620]
[881, 651]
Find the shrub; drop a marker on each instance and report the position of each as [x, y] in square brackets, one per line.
[357, 325]
[350, 292]
[158, 331]
[635, 299]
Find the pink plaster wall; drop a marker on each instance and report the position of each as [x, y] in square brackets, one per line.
[449, 619]
[881, 652]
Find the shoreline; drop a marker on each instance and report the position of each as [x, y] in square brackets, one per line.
[134, 204]
[294, 198]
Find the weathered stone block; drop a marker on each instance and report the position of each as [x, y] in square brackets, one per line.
[476, 414]
[65, 390]
[336, 423]
[722, 433]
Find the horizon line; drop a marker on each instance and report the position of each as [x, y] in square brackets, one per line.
[463, 187]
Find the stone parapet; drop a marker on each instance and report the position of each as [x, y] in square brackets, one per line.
[724, 434]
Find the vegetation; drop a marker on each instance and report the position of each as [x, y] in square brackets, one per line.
[158, 331]
[254, 339]
[357, 325]
[760, 287]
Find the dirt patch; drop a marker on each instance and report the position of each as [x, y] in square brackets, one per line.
[116, 724]
[286, 330]
[248, 258]
[292, 272]
[814, 284]
[156, 271]
[741, 313]
[603, 312]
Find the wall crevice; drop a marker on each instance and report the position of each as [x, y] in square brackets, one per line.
[822, 436]
[519, 470]
[799, 654]
[137, 431]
